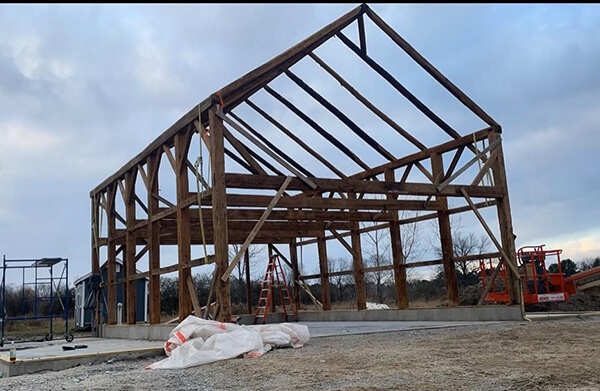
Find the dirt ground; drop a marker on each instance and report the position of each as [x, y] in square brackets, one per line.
[544, 355]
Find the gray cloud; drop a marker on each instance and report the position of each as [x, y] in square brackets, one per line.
[84, 88]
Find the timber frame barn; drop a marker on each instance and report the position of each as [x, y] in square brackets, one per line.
[235, 207]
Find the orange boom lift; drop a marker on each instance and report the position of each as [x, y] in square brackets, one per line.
[539, 285]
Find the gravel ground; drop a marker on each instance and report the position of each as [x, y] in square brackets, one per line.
[549, 355]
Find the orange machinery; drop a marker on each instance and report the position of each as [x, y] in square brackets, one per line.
[539, 285]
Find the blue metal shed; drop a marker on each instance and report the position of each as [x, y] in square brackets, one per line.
[83, 285]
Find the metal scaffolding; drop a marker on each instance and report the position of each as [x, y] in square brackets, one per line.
[50, 275]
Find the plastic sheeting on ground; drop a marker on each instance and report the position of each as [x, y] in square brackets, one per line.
[377, 306]
[197, 341]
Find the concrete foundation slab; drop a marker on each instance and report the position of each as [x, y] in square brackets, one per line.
[331, 329]
[373, 319]
[50, 356]
[458, 314]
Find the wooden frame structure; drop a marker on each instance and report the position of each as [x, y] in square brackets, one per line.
[322, 209]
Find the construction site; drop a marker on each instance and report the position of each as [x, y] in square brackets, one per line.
[215, 199]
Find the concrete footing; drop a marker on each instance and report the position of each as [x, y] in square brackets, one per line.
[51, 357]
[459, 314]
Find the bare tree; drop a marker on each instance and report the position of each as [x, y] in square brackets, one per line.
[411, 239]
[378, 254]
[340, 282]
[255, 253]
[463, 244]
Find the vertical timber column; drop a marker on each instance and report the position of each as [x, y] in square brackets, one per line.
[112, 255]
[295, 273]
[323, 268]
[357, 264]
[130, 246]
[400, 283]
[95, 248]
[437, 166]
[153, 239]
[95, 234]
[219, 210]
[184, 234]
[248, 282]
[505, 219]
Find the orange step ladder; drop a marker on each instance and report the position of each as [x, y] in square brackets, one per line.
[274, 279]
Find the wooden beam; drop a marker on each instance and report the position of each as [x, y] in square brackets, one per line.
[489, 232]
[505, 221]
[171, 158]
[361, 34]
[343, 242]
[437, 165]
[142, 172]
[437, 75]
[130, 249]
[246, 181]
[111, 255]
[153, 240]
[486, 166]
[399, 87]
[452, 177]
[423, 155]
[367, 103]
[400, 283]
[323, 268]
[409, 220]
[341, 116]
[295, 138]
[255, 167]
[163, 200]
[454, 162]
[251, 82]
[219, 206]
[95, 234]
[183, 226]
[338, 144]
[357, 265]
[266, 150]
[269, 144]
[256, 228]
[238, 160]
[193, 295]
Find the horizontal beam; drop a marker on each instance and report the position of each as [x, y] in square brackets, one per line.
[425, 154]
[245, 181]
[410, 220]
[410, 265]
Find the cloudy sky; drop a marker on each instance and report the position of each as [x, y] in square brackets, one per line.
[84, 88]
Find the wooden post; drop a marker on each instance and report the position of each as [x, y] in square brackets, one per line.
[357, 264]
[153, 239]
[400, 283]
[130, 247]
[325, 291]
[505, 220]
[219, 210]
[184, 237]
[248, 282]
[295, 273]
[95, 234]
[112, 255]
[437, 165]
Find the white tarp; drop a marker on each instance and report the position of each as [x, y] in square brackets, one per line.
[377, 306]
[197, 341]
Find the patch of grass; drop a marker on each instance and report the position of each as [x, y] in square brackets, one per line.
[32, 329]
